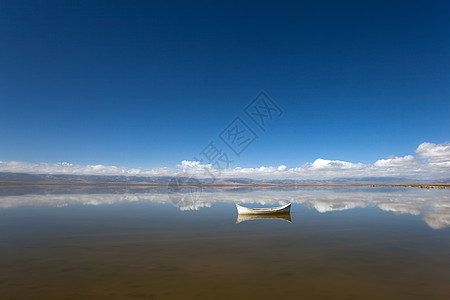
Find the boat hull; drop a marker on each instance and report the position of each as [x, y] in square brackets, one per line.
[263, 211]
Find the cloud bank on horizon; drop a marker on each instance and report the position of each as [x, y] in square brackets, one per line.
[431, 161]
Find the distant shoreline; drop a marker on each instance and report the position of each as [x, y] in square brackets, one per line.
[418, 185]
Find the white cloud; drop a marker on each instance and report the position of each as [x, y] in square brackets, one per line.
[334, 164]
[434, 153]
[71, 169]
[394, 161]
[282, 168]
[432, 162]
[188, 164]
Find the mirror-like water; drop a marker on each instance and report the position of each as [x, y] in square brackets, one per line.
[116, 243]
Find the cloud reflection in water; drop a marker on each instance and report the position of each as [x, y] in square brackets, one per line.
[432, 205]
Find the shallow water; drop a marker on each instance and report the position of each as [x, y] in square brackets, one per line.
[117, 243]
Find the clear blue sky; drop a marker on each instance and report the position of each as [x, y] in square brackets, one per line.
[141, 83]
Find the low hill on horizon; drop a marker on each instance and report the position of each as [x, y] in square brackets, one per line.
[7, 177]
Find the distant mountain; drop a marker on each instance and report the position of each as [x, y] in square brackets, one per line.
[50, 178]
[167, 180]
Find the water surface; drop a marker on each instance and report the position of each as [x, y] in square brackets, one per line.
[141, 243]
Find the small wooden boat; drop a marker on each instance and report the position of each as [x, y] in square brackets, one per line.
[284, 216]
[262, 211]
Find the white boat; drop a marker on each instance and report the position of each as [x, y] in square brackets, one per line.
[262, 211]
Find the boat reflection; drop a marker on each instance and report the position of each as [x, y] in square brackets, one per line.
[243, 218]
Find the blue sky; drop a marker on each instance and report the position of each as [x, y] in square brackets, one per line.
[147, 84]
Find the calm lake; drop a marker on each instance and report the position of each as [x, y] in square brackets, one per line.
[75, 242]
